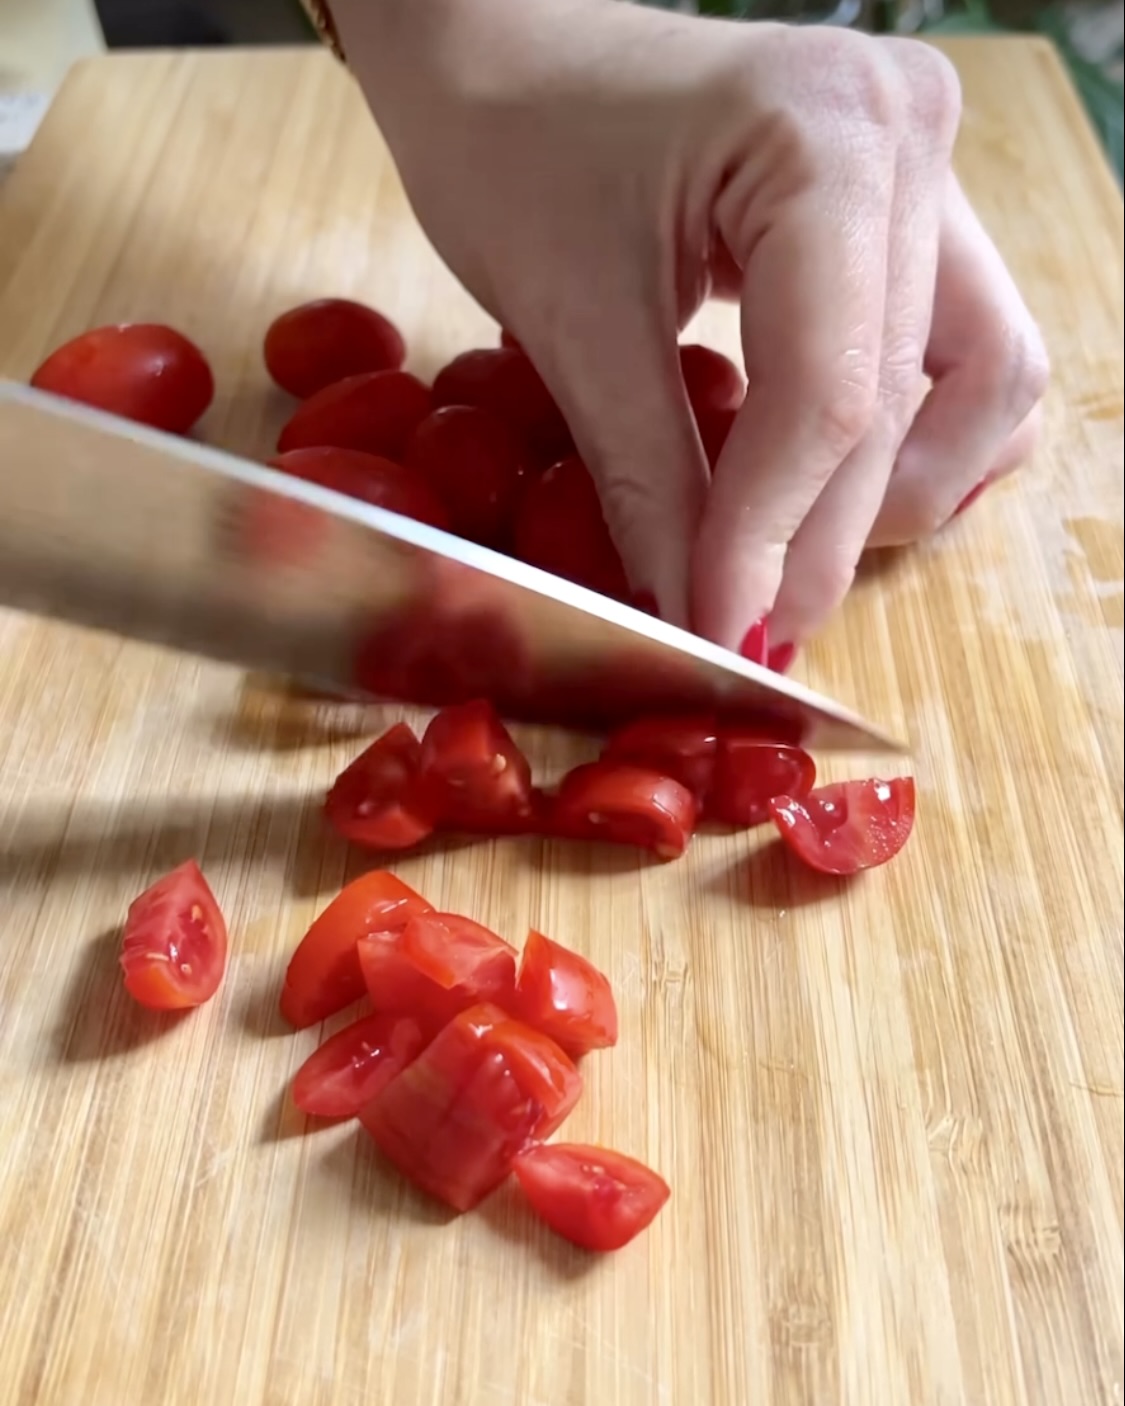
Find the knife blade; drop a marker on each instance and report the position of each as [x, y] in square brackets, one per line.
[116, 527]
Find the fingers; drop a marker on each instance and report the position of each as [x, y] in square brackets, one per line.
[989, 370]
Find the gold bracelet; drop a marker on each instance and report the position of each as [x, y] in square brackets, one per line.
[321, 19]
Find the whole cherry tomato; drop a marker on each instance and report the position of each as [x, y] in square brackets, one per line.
[319, 343]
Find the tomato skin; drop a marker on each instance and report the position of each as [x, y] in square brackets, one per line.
[324, 973]
[454, 1120]
[143, 371]
[714, 430]
[475, 464]
[174, 945]
[597, 1199]
[565, 996]
[683, 748]
[750, 771]
[379, 801]
[713, 382]
[503, 381]
[475, 776]
[325, 341]
[367, 477]
[849, 826]
[375, 412]
[345, 1073]
[630, 805]
[560, 528]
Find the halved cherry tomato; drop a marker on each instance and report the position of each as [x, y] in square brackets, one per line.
[849, 826]
[629, 805]
[714, 429]
[439, 965]
[324, 974]
[475, 464]
[143, 371]
[475, 775]
[174, 948]
[379, 800]
[750, 771]
[683, 748]
[565, 996]
[560, 528]
[368, 477]
[503, 380]
[325, 341]
[713, 382]
[595, 1198]
[454, 1120]
[376, 412]
[344, 1074]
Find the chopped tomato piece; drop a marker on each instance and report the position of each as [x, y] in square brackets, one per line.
[595, 1198]
[379, 800]
[174, 948]
[626, 804]
[849, 826]
[324, 974]
[503, 381]
[565, 996]
[322, 342]
[560, 528]
[437, 966]
[454, 1120]
[713, 381]
[475, 775]
[344, 1074]
[475, 463]
[750, 771]
[683, 748]
[367, 477]
[376, 412]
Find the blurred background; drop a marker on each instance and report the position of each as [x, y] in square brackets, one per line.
[39, 39]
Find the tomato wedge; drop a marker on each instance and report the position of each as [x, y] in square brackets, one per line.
[849, 826]
[344, 1074]
[174, 947]
[595, 1198]
[437, 966]
[565, 996]
[454, 1120]
[683, 748]
[324, 974]
[628, 805]
[379, 801]
[475, 776]
[376, 412]
[750, 771]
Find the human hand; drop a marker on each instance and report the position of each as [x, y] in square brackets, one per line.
[593, 171]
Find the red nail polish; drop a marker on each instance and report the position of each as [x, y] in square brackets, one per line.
[646, 601]
[780, 657]
[970, 498]
[755, 646]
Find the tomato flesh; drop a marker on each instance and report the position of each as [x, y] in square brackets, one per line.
[325, 341]
[324, 973]
[344, 1074]
[174, 946]
[455, 1119]
[625, 804]
[503, 380]
[560, 528]
[750, 771]
[475, 464]
[848, 826]
[379, 801]
[683, 748]
[595, 1198]
[376, 412]
[475, 776]
[713, 382]
[368, 478]
[142, 371]
[565, 996]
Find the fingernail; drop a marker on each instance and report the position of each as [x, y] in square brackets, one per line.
[780, 657]
[646, 601]
[970, 498]
[755, 645]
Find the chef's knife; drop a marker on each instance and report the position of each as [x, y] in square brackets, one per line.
[113, 526]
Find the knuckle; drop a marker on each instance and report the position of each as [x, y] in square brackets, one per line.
[845, 408]
[1016, 373]
[825, 581]
[933, 88]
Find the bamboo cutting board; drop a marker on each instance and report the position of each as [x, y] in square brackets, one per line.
[890, 1112]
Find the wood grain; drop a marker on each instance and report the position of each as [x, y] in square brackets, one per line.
[891, 1112]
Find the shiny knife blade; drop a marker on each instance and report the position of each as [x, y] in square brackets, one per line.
[113, 526]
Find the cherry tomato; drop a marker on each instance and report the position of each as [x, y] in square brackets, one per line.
[379, 801]
[454, 1120]
[476, 777]
[565, 996]
[376, 412]
[367, 477]
[174, 948]
[560, 528]
[324, 973]
[629, 805]
[714, 428]
[503, 380]
[712, 381]
[683, 748]
[750, 771]
[142, 371]
[322, 342]
[439, 965]
[344, 1074]
[474, 463]
[595, 1198]
[849, 826]
[508, 340]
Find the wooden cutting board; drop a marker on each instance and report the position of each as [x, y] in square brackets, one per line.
[890, 1112]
